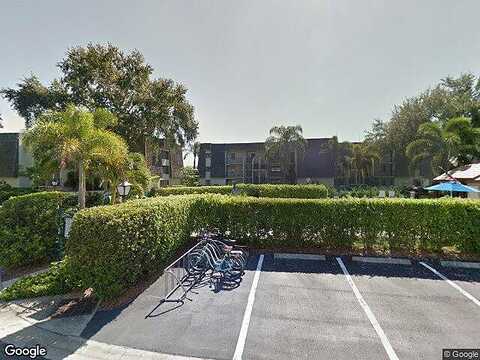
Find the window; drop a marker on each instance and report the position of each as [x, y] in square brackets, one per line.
[208, 162]
[207, 175]
[232, 156]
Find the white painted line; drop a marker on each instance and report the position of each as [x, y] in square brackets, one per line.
[461, 264]
[380, 260]
[242, 338]
[373, 320]
[464, 293]
[299, 256]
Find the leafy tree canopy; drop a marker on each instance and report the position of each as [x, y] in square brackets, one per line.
[103, 76]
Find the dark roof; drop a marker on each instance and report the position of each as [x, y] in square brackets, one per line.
[9, 154]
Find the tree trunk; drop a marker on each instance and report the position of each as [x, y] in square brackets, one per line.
[81, 185]
[113, 191]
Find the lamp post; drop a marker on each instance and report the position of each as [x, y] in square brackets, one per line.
[124, 188]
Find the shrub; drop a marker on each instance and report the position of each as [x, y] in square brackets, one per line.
[406, 224]
[186, 190]
[257, 190]
[111, 248]
[52, 282]
[7, 192]
[284, 191]
[29, 227]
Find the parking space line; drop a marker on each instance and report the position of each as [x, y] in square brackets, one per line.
[373, 320]
[248, 313]
[465, 293]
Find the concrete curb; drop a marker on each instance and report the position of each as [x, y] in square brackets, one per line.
[289, 256]
[461, 264]
[380, 260]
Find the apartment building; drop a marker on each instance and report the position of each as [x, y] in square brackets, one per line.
[14, 160]
[228, 163]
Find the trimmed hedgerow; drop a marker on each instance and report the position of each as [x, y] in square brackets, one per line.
[111, 248]
[29, 227]
[256, 190]
[307, 191]
[406, 224]
[186, 190]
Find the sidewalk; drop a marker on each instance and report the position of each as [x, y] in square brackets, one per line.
[20, 332]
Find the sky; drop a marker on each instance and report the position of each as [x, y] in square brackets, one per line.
[330, 66]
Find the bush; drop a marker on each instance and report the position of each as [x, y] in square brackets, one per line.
[406, 224]
[186, 190]
[52, 282]
[257, 190]
[111, 248]
[29, 227]
[284, 191]
[7, 192]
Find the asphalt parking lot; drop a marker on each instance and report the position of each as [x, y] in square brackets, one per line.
[308, 309]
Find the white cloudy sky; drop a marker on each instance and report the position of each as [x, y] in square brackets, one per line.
[331, 66]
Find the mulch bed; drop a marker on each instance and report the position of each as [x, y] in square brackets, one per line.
[73, 307]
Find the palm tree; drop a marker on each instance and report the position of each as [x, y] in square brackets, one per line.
[134, 168]
[455, 143]
[193, 149]
[362, 161]
[78, 137]
[285, 144]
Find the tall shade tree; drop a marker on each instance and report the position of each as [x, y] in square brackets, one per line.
[285, 145]
[451, 98]
[103, 76]
[455, 143]
[77, 137]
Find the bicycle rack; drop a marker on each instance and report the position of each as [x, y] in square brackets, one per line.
[176, 277]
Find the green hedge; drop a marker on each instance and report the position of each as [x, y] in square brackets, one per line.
[29, 227]
[257, 190]
[186, 190]
[9, 192]
[112, 247]
[393, 224]
[284, 191]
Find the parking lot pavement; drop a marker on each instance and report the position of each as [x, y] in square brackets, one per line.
[206, 327]
[419, 312]
[468, 279]
[307, 310]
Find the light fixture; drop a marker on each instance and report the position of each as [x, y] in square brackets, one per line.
[124, 188]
